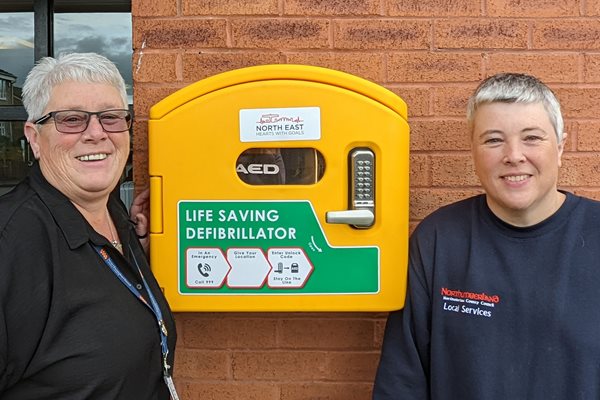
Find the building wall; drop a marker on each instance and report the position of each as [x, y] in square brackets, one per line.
[432, 53]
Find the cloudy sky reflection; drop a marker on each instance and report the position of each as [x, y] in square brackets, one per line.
[105, 33]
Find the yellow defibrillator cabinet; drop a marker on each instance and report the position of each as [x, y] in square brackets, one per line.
[280, 188]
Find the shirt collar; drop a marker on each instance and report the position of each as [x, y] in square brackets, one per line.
[75, 228]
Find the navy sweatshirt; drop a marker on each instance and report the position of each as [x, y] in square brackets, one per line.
[497, 312]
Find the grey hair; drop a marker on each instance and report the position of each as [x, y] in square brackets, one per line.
[516, 88]
[74, 67]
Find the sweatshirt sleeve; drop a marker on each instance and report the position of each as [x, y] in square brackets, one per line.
[403, 371]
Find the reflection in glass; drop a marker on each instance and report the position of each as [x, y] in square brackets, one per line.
[16, 51]
[109, 35]
[16, 59]
[280, 166]
[15, 155]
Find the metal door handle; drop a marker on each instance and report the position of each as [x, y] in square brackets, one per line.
[361, 187]
[361, 218]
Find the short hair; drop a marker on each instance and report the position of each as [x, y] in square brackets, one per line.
[516, 88]
[73, 67]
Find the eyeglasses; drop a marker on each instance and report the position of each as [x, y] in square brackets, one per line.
[77, 121]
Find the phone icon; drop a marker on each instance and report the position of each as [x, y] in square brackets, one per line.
[204, 269]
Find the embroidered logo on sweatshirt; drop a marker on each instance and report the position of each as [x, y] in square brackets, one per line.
[477, 304]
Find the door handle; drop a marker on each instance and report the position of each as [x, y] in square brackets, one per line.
[359, 218]
[361, 176]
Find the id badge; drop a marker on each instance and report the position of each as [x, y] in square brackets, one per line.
[171, 386]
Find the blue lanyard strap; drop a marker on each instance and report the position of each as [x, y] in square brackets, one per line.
[153, 306]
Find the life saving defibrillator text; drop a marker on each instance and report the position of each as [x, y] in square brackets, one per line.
[234, 224]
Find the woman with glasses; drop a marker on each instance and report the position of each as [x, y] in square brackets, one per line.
[81, 315]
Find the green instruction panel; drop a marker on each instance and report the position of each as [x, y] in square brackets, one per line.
[266, 247]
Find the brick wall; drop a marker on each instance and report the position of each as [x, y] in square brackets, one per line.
[430, 52]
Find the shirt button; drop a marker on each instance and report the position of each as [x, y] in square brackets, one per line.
[139, 286]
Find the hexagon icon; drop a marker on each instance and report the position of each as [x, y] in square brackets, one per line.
[291, 268]
[205, 267]
[249, 268]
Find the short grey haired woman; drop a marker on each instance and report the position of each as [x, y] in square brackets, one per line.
[81, 315]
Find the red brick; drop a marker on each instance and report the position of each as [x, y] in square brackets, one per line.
[179, 318]
[294, 356]
[588, 136]
[412, 225]
[417, 99]
[331, 7]
[364, 65]
[434, 67]
[230, 7]
[179, 33]
[154, 67]
[580, 170]
[330, 315]
[326, 391]
[153, 8]
[197, 66]
[200, 364]
[579, 103]
[140, 154]
[434, 8]
[352, 366]
[548, 67]
[572, 129]
[566, 34]
[535, 9]
[379, 316]
[453, 171]
[326, 333]
[420, 172]
[380, 331]
[198, 390]
[146, 96]
[279, 365]
[592, 7]
[424, 201]
[435, 135]
[212, 331]
[481, 33]
[590, 193]
[381, 34]
[280, 33]
[451, 100]
[591, 68]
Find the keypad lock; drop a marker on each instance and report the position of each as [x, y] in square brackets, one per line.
[361, 191]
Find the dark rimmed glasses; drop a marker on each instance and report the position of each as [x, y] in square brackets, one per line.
[77, 121]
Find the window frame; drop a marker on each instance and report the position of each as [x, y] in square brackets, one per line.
[3, 89]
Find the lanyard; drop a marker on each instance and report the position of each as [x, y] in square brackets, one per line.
[153, 306]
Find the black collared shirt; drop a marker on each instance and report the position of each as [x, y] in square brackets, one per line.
[69, 329]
